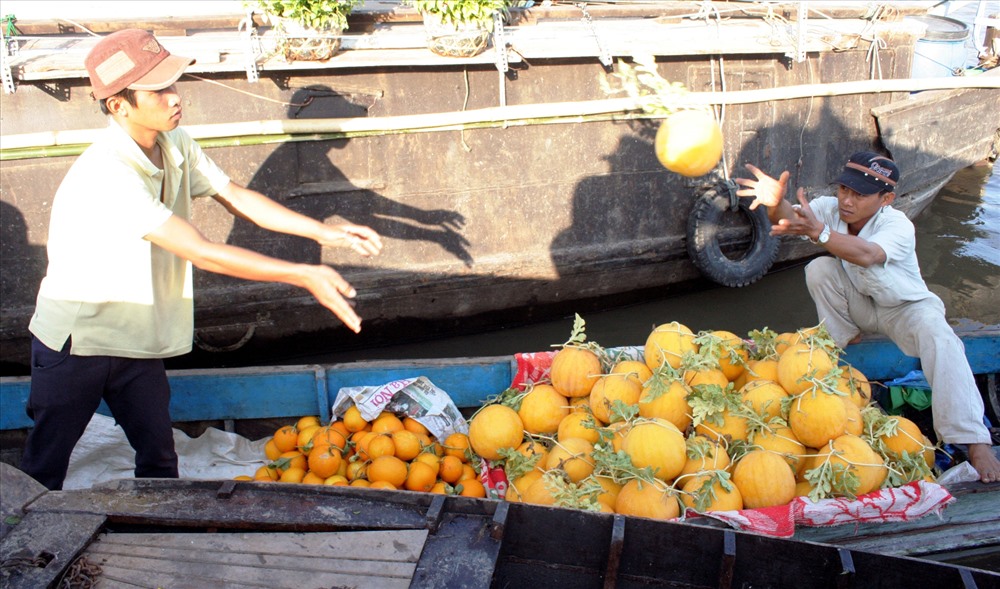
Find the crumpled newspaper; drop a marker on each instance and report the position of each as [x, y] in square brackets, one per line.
[414, 397]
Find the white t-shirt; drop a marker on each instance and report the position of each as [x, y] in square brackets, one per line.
[897, 280]
[113, 291]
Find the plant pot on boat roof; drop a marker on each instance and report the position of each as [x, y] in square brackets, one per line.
[307, 30]
[459, 28]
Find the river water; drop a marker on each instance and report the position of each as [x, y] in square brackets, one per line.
[958, 245]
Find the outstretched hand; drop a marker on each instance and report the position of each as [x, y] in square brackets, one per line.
[765, 190]
[802, 221]
[363, 240]
[333, 292]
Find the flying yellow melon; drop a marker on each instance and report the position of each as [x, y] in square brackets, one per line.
[689, 142]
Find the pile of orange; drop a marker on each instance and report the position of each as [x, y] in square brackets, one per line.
[389, 452]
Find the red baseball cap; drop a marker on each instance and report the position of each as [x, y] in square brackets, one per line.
[132, 58]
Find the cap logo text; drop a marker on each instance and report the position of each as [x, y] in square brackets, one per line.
[114, 67]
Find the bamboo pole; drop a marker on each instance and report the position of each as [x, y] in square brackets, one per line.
[33, 145]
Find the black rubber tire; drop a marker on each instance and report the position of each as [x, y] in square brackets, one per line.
[706, 252]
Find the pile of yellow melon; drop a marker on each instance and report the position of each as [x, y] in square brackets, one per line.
[389, 452]
[705, 422]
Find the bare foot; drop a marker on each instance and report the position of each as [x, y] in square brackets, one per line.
[854, 340]
[985, 461]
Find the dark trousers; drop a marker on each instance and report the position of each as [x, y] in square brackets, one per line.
[66, 391]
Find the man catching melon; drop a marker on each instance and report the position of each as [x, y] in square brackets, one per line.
[871, 283]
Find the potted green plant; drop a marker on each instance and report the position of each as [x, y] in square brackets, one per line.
[459, 28]
[308, 30]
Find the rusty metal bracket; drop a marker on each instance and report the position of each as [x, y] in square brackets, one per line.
[9, 50]
[225, 490]
[728, 562]
[499, 521]
[798, 54]
[845, 579]
[500, 43]
[615, 552]
[603, 55]
[434, 511]
[251, 46]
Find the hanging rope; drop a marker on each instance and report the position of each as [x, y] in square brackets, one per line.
[875, 12]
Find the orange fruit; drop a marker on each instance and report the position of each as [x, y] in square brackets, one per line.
[307, 421]
[324, 462]
[435, 448]
[312, 478]
[353, 420]
[337, 480]
[440, 487]
[360, 483]
[421, 477]
[286, 438]
[340, 427]
[292, 475]
[355, 471]
[382, 485]
[362, 444]
[430, 459]
[468, 472]
[266, 473]
[470, 488]
[291, 459]
[388, 468]
[304, 442]
[407, 445]
[457, 444]
[380, 445]
[327, 437]
[386, 423]
[243, 477]
[425, 439]
[451, 469]
[415, 426]
[271, 450]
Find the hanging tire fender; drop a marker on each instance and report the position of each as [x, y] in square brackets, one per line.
[704, 230]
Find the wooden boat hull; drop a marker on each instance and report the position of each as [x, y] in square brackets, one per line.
[493, 221]
[226, 533]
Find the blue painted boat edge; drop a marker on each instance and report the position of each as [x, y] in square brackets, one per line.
[291, 391]
[879, 359]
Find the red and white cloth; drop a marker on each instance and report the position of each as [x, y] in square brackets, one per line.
[532, 367]
[897, 504]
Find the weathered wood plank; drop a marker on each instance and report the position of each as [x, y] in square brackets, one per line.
[462, 553]
[18, 491]
[353, 549]
[244, 506]
[277, 560]
[39, 548]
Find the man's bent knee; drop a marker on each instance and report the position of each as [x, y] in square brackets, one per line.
[823, 271]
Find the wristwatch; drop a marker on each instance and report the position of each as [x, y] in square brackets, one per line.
[824, 235]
